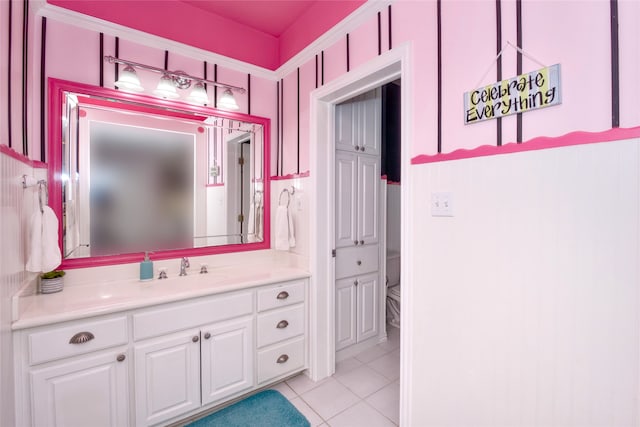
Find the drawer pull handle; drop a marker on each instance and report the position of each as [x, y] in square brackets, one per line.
[195, 338]
[283, 358]
[282, 324]
[81, 337]
[283, 295]
[121, 358]
[207, 336]
[359, 262]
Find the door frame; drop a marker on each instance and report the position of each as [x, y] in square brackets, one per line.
[389, 66]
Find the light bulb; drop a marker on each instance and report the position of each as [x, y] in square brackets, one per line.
[129, 80]
[227, 101]
[198, 95]
[166, 88]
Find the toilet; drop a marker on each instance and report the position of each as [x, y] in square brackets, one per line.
[393, 288]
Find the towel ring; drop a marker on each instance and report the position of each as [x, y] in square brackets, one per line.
[288, 193]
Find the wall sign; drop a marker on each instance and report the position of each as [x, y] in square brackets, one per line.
[526, 92]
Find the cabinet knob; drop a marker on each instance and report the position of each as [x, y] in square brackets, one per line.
[195, 338]
[355, 282]
[207, 336]
[81, 337]
[362, 242]
[355, 242]
[283, 295]
[283, 358]
[359, 262]
[362, 148]
[282, 324]
[121, 358]
[357, 147]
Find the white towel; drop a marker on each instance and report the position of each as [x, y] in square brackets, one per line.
[44, 253]
[284, 230]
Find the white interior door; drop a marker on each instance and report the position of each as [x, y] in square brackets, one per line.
[368, 199]
[345, 313]
[367, 310]
[346, 199]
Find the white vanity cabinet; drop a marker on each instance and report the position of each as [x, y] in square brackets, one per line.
[74, 374]
[159, 364]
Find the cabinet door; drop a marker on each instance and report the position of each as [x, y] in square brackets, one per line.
[344, 126]
[91, 391]
[167, 377]
[345, 312]
[227, 359]
[346, 199]
[368, 122]
[367, 310]
[368, 194]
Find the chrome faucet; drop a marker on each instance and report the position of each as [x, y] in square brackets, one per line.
[184, 264]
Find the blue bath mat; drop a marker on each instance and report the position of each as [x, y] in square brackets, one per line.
[268, 408]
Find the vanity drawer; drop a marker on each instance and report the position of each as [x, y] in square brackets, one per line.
[280, 295]
[79, 338]
[280, 360]
[173, 318]
[356, 260]
[279, 325]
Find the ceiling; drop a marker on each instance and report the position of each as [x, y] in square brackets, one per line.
[273, 17]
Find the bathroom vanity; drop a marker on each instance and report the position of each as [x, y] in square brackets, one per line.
[153, 353]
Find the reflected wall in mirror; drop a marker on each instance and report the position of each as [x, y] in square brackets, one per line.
[130, 173]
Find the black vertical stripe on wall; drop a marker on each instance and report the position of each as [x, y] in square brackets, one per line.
[379, 33]
[519, 64]
[101, 60]
[322, 68]
[281, 126]
[166, 59]
[204, 74]
[348, 53]
[615, 66]
[43, 88]
[389, 26]
[215, 88]
[316, 71]
[277, 127]
[248, 93]
[9, 134]
[499, 64]
[25, 43]
[439, 28]
[117, 55]
[298, 124]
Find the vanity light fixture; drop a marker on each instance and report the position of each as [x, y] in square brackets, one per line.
[171, 80]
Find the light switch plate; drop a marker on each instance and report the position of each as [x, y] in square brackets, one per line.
[442, 204]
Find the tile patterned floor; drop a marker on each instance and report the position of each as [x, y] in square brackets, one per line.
[364, 391]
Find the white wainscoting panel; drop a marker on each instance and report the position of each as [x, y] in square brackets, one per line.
[526, 301]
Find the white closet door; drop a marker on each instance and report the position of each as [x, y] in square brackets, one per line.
[368, 199]
[346, 199]
[367, 309]
[368, 122]
[345, 312]
[345, 132]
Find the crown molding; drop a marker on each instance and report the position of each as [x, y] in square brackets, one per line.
[42, 8]
[350, 23]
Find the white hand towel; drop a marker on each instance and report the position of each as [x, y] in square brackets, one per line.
[282, 229]
[251, 225]
[292, 236]
[44, 254]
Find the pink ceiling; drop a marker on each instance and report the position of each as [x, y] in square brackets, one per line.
[262, 32]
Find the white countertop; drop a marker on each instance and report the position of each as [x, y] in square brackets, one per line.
[86, 300]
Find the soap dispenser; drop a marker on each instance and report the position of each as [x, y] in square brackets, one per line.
[146, 268]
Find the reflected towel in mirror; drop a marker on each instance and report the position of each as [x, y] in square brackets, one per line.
[284, 233]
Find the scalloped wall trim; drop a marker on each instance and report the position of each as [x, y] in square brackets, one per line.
[537, 143]
[290, 176]
[5, 149]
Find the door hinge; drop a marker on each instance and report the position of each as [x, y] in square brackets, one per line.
[241, 161]
[333, 253]
[240, 218]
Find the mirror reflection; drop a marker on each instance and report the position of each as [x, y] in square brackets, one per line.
[143, 177]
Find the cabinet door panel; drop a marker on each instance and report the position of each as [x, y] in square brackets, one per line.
[367, 310]
[368, 187]
[345, 313]
[227, 359]
[92, 391]
[346, 199]
[368, 124]
[344, 126]
[167, 372]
